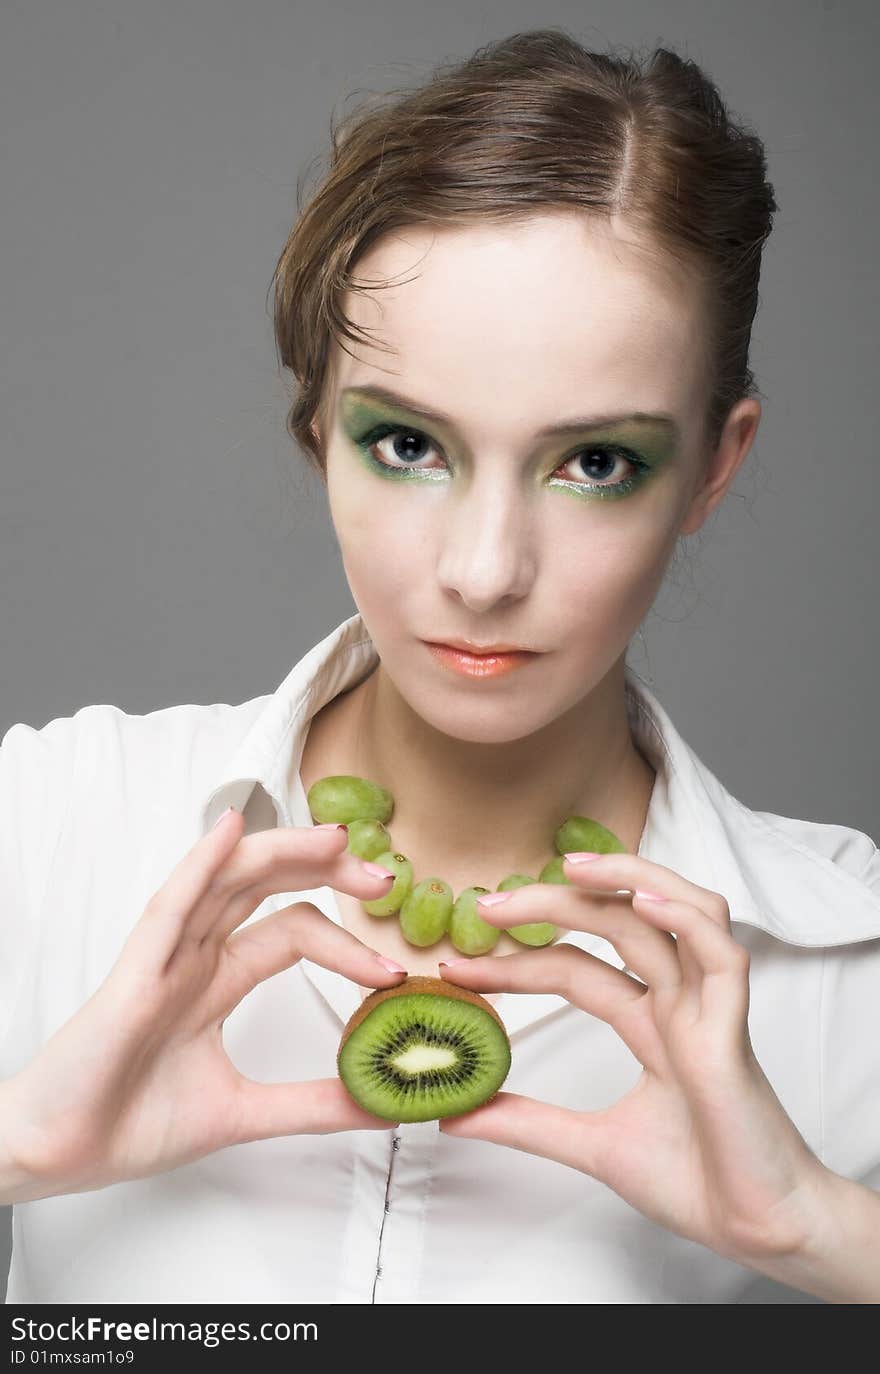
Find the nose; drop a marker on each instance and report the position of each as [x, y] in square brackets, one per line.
[487, 548]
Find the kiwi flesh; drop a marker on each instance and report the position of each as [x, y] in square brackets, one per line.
[423, 1050]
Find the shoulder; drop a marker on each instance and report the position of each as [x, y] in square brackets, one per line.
[809, 883]
[806, 882]
[852, 851]
[100, 744]
[103, 772]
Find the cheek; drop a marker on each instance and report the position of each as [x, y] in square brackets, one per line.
[368, 522]
[606, 570]
[599, 587]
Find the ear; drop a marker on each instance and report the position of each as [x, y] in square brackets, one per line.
[736, 439]
[315, 430]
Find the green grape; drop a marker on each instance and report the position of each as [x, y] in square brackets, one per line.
[579, 834]
[344, 798]
[366, 839]
[534, 932]
[467, 930]
[400, 866]
[514, 880]
[424, 916]
[552, 872]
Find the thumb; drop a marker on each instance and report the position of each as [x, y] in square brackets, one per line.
[318, 1106]
[538, 1128]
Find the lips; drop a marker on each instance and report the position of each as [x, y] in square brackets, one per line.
[483, 665]
[478, 650]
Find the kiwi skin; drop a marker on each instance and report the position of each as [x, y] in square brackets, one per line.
[438, 987]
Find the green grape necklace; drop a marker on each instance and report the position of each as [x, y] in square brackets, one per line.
[428, 910]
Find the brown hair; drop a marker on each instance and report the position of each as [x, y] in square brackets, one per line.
[529, 123]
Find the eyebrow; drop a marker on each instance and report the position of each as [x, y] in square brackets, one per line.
[574, 425]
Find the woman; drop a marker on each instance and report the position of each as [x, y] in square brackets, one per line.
[557, 257]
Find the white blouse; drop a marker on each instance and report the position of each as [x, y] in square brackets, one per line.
[95, 811]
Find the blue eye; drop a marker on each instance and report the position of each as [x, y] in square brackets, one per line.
[606, 457]
[409, 452]
[408, 455]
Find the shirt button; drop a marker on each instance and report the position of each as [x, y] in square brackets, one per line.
[396, 1142]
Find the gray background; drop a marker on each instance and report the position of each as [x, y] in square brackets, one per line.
[160, 540]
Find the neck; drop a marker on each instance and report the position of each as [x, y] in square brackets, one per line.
[486, 810]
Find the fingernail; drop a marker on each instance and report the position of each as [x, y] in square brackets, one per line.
[330, 826]
[376, 870]
[389, 964]
[650, 896]
[450, 963]
[222, 817]
[582, 857]
[491, 899]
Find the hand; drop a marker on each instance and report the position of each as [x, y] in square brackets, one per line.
[137, 1081]
[701, 1144]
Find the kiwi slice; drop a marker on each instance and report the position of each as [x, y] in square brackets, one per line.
[423, 1050]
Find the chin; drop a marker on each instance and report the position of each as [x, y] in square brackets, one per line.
[501, 720]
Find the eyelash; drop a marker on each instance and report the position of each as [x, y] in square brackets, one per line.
[626, 484]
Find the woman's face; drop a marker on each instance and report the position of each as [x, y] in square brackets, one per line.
[479, 526]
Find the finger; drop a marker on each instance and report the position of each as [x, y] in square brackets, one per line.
[629, 872]
[582, 979]
[318, 1106]
[723, 964]
[278, 941]
[596, 872]
[185, 888]
[648, 951]
[289, 859]
[577, 1139]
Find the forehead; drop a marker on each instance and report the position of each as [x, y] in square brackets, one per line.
[537, 312]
